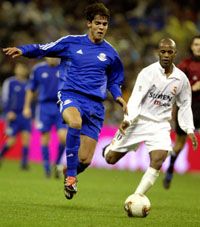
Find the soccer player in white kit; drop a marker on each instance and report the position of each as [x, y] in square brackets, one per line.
[157, 88]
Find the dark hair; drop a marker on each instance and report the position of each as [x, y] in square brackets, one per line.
[96, 9]
[193, 38]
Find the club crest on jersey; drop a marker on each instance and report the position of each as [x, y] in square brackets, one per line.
[17, 88]
[102, 57]
[44, 75]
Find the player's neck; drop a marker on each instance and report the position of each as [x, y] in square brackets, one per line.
[93, 40]
[168, 70]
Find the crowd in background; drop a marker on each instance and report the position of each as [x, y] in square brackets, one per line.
[136, 26]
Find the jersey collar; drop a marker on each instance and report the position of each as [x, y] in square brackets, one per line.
[174, 74]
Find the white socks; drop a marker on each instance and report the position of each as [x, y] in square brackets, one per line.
[147, 180]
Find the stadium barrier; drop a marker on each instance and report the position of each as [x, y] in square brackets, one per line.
[188, 160]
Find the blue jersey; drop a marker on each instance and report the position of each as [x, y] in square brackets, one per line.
[44, 79]
[13, 95]
[86, 68]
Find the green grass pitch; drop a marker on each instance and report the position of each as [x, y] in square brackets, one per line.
[29, 199]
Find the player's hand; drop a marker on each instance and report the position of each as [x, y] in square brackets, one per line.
[123, 126]
[12, 51]
[196, 86]
[11, 116]
[27, 112]
[122, 103]
[194, 140]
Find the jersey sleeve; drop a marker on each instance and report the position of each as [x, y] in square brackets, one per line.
[53, 49]
[185, 116]
[115, 78]
[140, 89]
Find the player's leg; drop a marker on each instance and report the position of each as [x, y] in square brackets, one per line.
[72, 117]
[9, 143]
[157, 157]
[118, 147]
[45, 137]
[91, 127]
[44, 124]
[62, 132]
[112, 157]
[25, 127]
[179, 144]
[86, 152]
[11, 131]
[181, 137]
[158, 143]
[25, 149]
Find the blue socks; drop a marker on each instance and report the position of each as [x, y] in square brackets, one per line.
[61, 150]
[72, 147]
[24, 160]
[46, 162]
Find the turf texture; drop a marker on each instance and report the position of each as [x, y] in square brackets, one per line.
[27, 198]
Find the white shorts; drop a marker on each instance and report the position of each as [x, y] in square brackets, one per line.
[155, 135]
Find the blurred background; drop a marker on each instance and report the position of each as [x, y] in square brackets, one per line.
[136, 26]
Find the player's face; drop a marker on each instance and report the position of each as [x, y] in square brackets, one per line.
[195, 47]
[166, 54]
[97, 28]
[21, 70]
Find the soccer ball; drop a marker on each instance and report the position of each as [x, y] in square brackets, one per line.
[137, 205]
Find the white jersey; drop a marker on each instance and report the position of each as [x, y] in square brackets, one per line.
[154, 95]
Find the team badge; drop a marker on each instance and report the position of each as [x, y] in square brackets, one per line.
[102, 57]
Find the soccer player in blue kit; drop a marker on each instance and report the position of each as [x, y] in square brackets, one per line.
[44, 81]
[13, 95]
[89, 66]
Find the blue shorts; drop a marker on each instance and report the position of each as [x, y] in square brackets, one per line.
[48, 115]
[91, 110]
[18, 125]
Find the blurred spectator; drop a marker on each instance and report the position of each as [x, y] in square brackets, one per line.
[137, 25]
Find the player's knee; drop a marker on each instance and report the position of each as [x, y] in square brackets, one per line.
[77, 124]
[110, 158]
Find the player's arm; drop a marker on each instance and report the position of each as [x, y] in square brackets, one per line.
[27, 112]
[115, 81]
[196, 86]
[140, 89]
[31, 88]
[53, 49]
[185, 116]
[6, 96]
